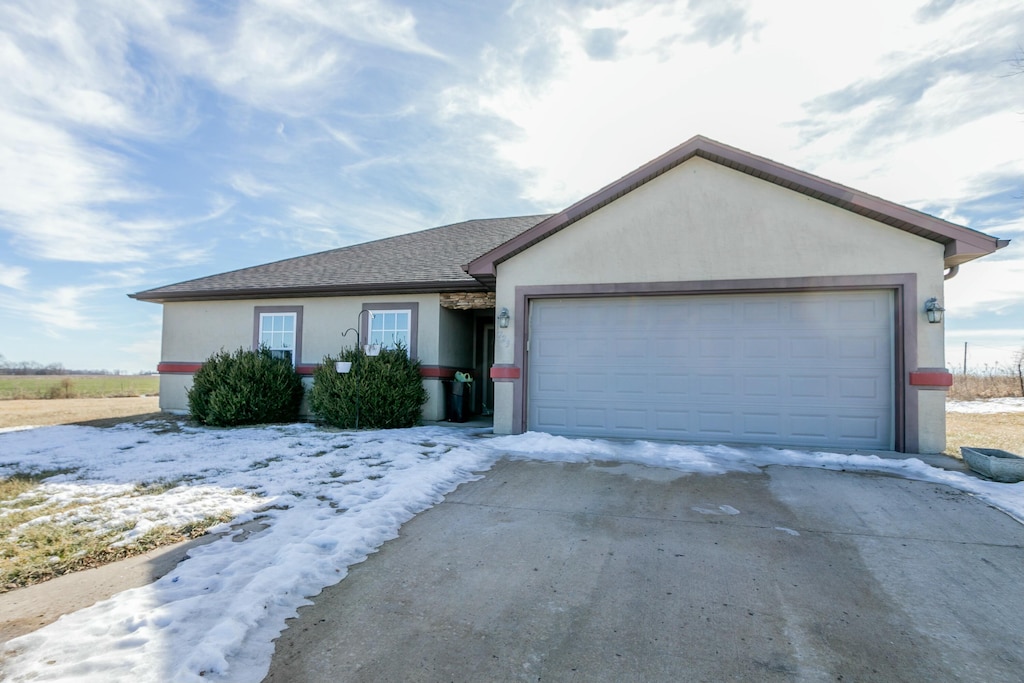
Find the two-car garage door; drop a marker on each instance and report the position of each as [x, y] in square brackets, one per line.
[803, 369]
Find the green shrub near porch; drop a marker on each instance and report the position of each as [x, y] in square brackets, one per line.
[388, 388]
[245, 387]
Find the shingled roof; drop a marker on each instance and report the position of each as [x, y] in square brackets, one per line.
[426, 261]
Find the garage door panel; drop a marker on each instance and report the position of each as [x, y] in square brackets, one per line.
[668, 386]
[808, 348]
[589, 382]
[591, 418]
[858, 310]
[762, 386]
[802, 368]
[714, 386]
[813, 387]
[809, 425]
[857, 427]
[673, 422]
[718, 312]
[761, 348]
[768, 426]
[553, 383]
[809, 311]
[762, 312]
[715, 422]
[629, 348]
[716, 347]
[627, 419]
[866, 388]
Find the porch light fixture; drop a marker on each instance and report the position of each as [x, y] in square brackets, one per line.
[504, 318]
[933, 310]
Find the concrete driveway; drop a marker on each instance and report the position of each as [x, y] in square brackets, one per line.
[560, 572]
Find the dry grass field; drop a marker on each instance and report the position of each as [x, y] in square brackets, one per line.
[1004, 431]
[77, 386]
[20, 413]
[984, 385]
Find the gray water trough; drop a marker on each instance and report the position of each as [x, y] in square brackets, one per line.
[995, 464]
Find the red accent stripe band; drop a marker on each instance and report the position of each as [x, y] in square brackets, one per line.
[436, 372]
[505, 372]
[168, 368]
[174, 368]
[931, 379]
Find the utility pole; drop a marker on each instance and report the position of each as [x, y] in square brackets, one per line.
[965, 359]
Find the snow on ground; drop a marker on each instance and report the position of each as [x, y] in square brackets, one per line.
[327, 499]
[992, 405]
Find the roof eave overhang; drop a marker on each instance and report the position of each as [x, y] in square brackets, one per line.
[156, 296]
[962, 244]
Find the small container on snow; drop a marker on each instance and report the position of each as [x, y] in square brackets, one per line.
[995, 464]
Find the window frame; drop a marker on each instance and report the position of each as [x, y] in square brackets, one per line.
[296, 311]
[412, 308]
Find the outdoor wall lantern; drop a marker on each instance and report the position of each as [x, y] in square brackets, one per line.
[933, 310]
[504, 318]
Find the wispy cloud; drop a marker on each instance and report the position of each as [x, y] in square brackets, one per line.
[288, 56]
[88, 87]
[56, 310]
[13, 277]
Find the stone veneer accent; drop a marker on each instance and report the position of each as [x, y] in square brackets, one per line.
[464, 301]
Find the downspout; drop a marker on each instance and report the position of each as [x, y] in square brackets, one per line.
[951, 273]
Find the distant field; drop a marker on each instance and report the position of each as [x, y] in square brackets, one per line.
[77, 386]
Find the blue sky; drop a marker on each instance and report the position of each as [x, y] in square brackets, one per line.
[152, 141]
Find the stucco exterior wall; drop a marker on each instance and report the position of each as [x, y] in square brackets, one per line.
[703, 221]
[193, 331]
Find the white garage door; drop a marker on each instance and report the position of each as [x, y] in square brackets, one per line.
[803, 369]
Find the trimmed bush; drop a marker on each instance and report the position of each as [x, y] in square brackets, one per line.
[243, 388]
[390, 390]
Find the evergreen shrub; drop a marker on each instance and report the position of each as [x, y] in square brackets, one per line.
[243, 388]
[390, 390]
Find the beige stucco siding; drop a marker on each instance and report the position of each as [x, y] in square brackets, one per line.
[193, 331]
[703, 221]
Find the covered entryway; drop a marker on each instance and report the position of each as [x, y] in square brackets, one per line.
[794, 368]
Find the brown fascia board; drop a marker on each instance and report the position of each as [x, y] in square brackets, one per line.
[156, 296]
[962, 244]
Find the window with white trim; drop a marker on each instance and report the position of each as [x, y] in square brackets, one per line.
[389, 328]
[277, 332]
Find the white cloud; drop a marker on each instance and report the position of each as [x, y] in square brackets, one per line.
[246, 183]
[575, 122]
[992, 284]
[289, 56]
[84, 83]
[59, 195]
[13, 277]
[56, 310]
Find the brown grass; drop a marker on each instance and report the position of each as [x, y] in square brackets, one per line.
[984, 385]
[21, 413]
[1004, 431]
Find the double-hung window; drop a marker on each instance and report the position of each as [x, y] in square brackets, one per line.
[278, 332]
[389, 328]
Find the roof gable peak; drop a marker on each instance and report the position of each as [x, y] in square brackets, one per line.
[962, 243]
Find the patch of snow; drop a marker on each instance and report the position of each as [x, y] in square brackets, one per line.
[791, 532]
[721, 510]
[987, 406]
[324, 500]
